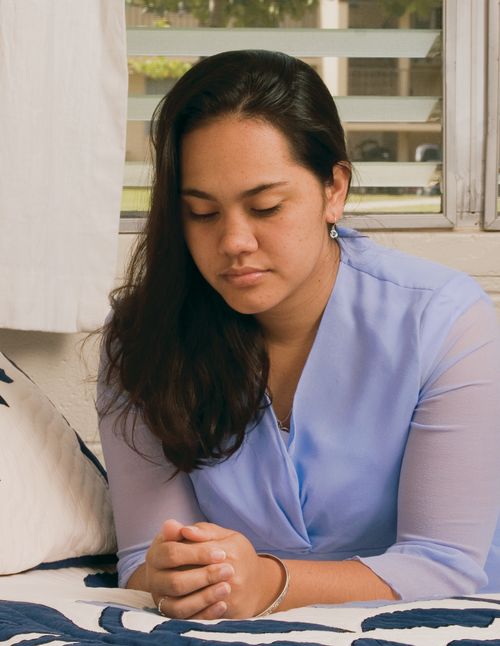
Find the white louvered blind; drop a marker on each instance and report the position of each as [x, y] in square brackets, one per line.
[385, 69]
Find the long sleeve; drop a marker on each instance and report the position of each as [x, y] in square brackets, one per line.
[448, 500]
[394, 443]
[142, 494]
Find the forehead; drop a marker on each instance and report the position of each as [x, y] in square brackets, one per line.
[234, 142]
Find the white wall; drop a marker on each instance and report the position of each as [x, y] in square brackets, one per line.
[56, 362]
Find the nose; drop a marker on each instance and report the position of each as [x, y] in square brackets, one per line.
[237, 235]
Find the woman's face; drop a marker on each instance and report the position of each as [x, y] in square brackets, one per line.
[255, 221]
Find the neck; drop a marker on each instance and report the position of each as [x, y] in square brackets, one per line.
[296, 322]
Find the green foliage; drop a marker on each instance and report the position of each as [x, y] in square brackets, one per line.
[158, 67]
[233, 13]
[398, 8]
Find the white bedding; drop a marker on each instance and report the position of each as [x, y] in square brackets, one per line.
[74, 605]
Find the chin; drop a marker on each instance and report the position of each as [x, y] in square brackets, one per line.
[245, 306]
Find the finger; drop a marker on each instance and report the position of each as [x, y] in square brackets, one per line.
[217, 611]
[198, 602]
[172, 554]
[171, 530]
[204, 532]
[179, 583]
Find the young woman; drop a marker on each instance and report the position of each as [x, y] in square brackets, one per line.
[290, 414]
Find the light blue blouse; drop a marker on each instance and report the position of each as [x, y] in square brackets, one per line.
[393, 455]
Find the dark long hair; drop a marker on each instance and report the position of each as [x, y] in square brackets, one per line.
[192, 367]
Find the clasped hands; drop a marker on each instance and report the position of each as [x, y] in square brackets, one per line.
[205, 571]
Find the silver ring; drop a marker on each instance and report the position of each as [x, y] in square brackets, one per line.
[161, 600]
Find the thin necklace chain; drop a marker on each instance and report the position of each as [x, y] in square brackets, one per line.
[282, 423]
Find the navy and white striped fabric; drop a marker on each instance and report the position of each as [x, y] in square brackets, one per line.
[81, 605]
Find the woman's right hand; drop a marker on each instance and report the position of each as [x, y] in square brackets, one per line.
[191, 582]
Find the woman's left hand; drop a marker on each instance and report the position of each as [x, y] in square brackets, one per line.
[257, 581]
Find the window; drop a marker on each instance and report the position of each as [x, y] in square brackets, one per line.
[417, 150]
[492, 197]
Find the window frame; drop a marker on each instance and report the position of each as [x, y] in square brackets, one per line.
[492, 159]
[464, 78]
[467, 174]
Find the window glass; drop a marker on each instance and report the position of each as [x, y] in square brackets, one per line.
[384, 69]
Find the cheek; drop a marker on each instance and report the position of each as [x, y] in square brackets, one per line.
[304, 237]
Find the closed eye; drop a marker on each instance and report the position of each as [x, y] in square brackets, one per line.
[270, 211]
[202, 216]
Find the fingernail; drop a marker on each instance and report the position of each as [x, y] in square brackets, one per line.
[219, 609]
[194, 529]
[226, 570]
[217, 555]
[222, 590]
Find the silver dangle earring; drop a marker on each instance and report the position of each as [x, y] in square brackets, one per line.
[334, 234]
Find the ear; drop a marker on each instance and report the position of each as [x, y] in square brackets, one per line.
[336, 192]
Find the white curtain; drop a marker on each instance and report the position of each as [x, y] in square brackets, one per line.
[63, 97]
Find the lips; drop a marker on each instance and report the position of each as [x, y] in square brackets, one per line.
[243, 276]
[242, 271]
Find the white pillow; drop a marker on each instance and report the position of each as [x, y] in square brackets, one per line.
[54, 500]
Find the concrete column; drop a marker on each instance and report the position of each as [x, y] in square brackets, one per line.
[334, 14]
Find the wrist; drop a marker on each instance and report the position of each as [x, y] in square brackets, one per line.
[273, 582]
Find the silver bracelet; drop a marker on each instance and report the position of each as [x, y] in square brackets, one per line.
[283, 592]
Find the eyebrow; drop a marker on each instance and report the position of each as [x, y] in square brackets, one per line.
[194, 192]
